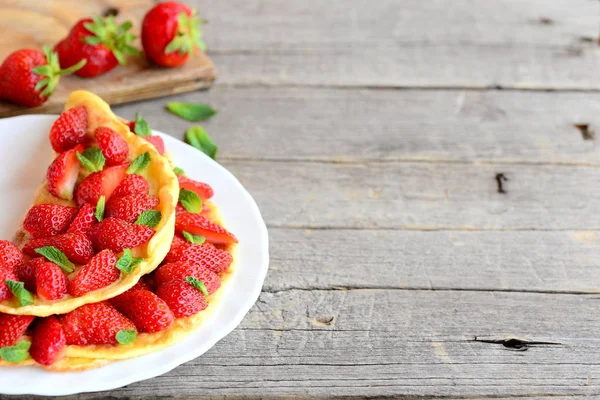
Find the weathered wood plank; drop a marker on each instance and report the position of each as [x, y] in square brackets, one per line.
[439, 260]
[394, 343]
[354, 125]
[469, 43]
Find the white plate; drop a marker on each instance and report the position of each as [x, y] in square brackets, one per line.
[25, 154]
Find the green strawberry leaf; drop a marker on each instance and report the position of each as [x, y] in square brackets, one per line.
[140, 163]
[57, 257]
[194, 239]
[126, 336]
[17, 353]
[197, 137]
[190, 201]
[18, 290]
[92, 159]
[191, 111]
[115, 37]
[141, 126]
[99, 213]
[198, 284]
[178, 171]
[127, 262]
[149, 218]
[188, 35]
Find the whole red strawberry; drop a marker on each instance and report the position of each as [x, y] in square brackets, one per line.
[48, 341]
[11, 258]
[28, 77]
[113, 146]
[84, 220]
[50, 281]
[63, 172]
[180, 270]
[199, 225]
[101, 183]
[129, 208]
[206, 255]
[69, 129]
[99, 41]
[182, 298]
[170, 32]
[96, 323]
[100, 272]
[148, 312]
[12, 327]
[132, 184]
[44, 220]
[76, 246]
[116, 235]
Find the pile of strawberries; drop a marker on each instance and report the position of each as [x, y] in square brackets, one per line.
[94, 46]
[74, 250]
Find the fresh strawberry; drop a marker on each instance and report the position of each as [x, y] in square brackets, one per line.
[203, 190]
[63, 172]
[101, 183]
[5, 275]
[197, 224]
[132, 184]
[99, 41]
[113, 146]
[50, 281]
[207, 255]
[12, 327]
[26, 273]
[100, 272]
[141, 128]
[84, 220]
[29, 77]
[182, 298]
[44, 220]
[76, 246]
[48, 341]
[170, 32]
[140, 285]
[69, 129]
[148, 312]
[180, 270]
[178, 241]
[116, 235]
[96, 323]
[157, 142]
[129, 208]
[11, 258]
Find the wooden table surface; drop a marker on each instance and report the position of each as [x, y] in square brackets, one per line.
[371, 134]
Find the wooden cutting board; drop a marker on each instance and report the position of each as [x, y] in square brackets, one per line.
[34, 23]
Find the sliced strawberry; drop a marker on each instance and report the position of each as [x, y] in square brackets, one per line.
[11, 258]
[197, 224]
[100, 272]
[203, 190]
[116, 235]
[44, 220]
[5, 275]
[50, 281]
[148, 312]
[101, 183]
[182, 298]
[69, 129]
[180, 270]
[48, 341]
[63, 172]
[129, 208]
[157, 142]
[132, 184]
[76, 246]
[26, 273]
[207, 255]
[96, 323]
[140, 285]
[84, 220]
[113, 146]
[12, 327]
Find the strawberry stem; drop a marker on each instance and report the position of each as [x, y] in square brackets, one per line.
[115, 37]
[188, 36]
[52, 72]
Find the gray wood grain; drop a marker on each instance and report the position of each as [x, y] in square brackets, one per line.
[389, 43]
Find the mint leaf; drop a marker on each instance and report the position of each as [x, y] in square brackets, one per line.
[191, 111]
[92, 159]
[197, 137]
[190, 201]
[127, 262]
[17, 353]
[178, 171]
[126, 336]
[194, 239]
[57, 257]
[99, 213]
[141, 126]
[139, 164]
[18, 290]
[149, 218]
[198, 284]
